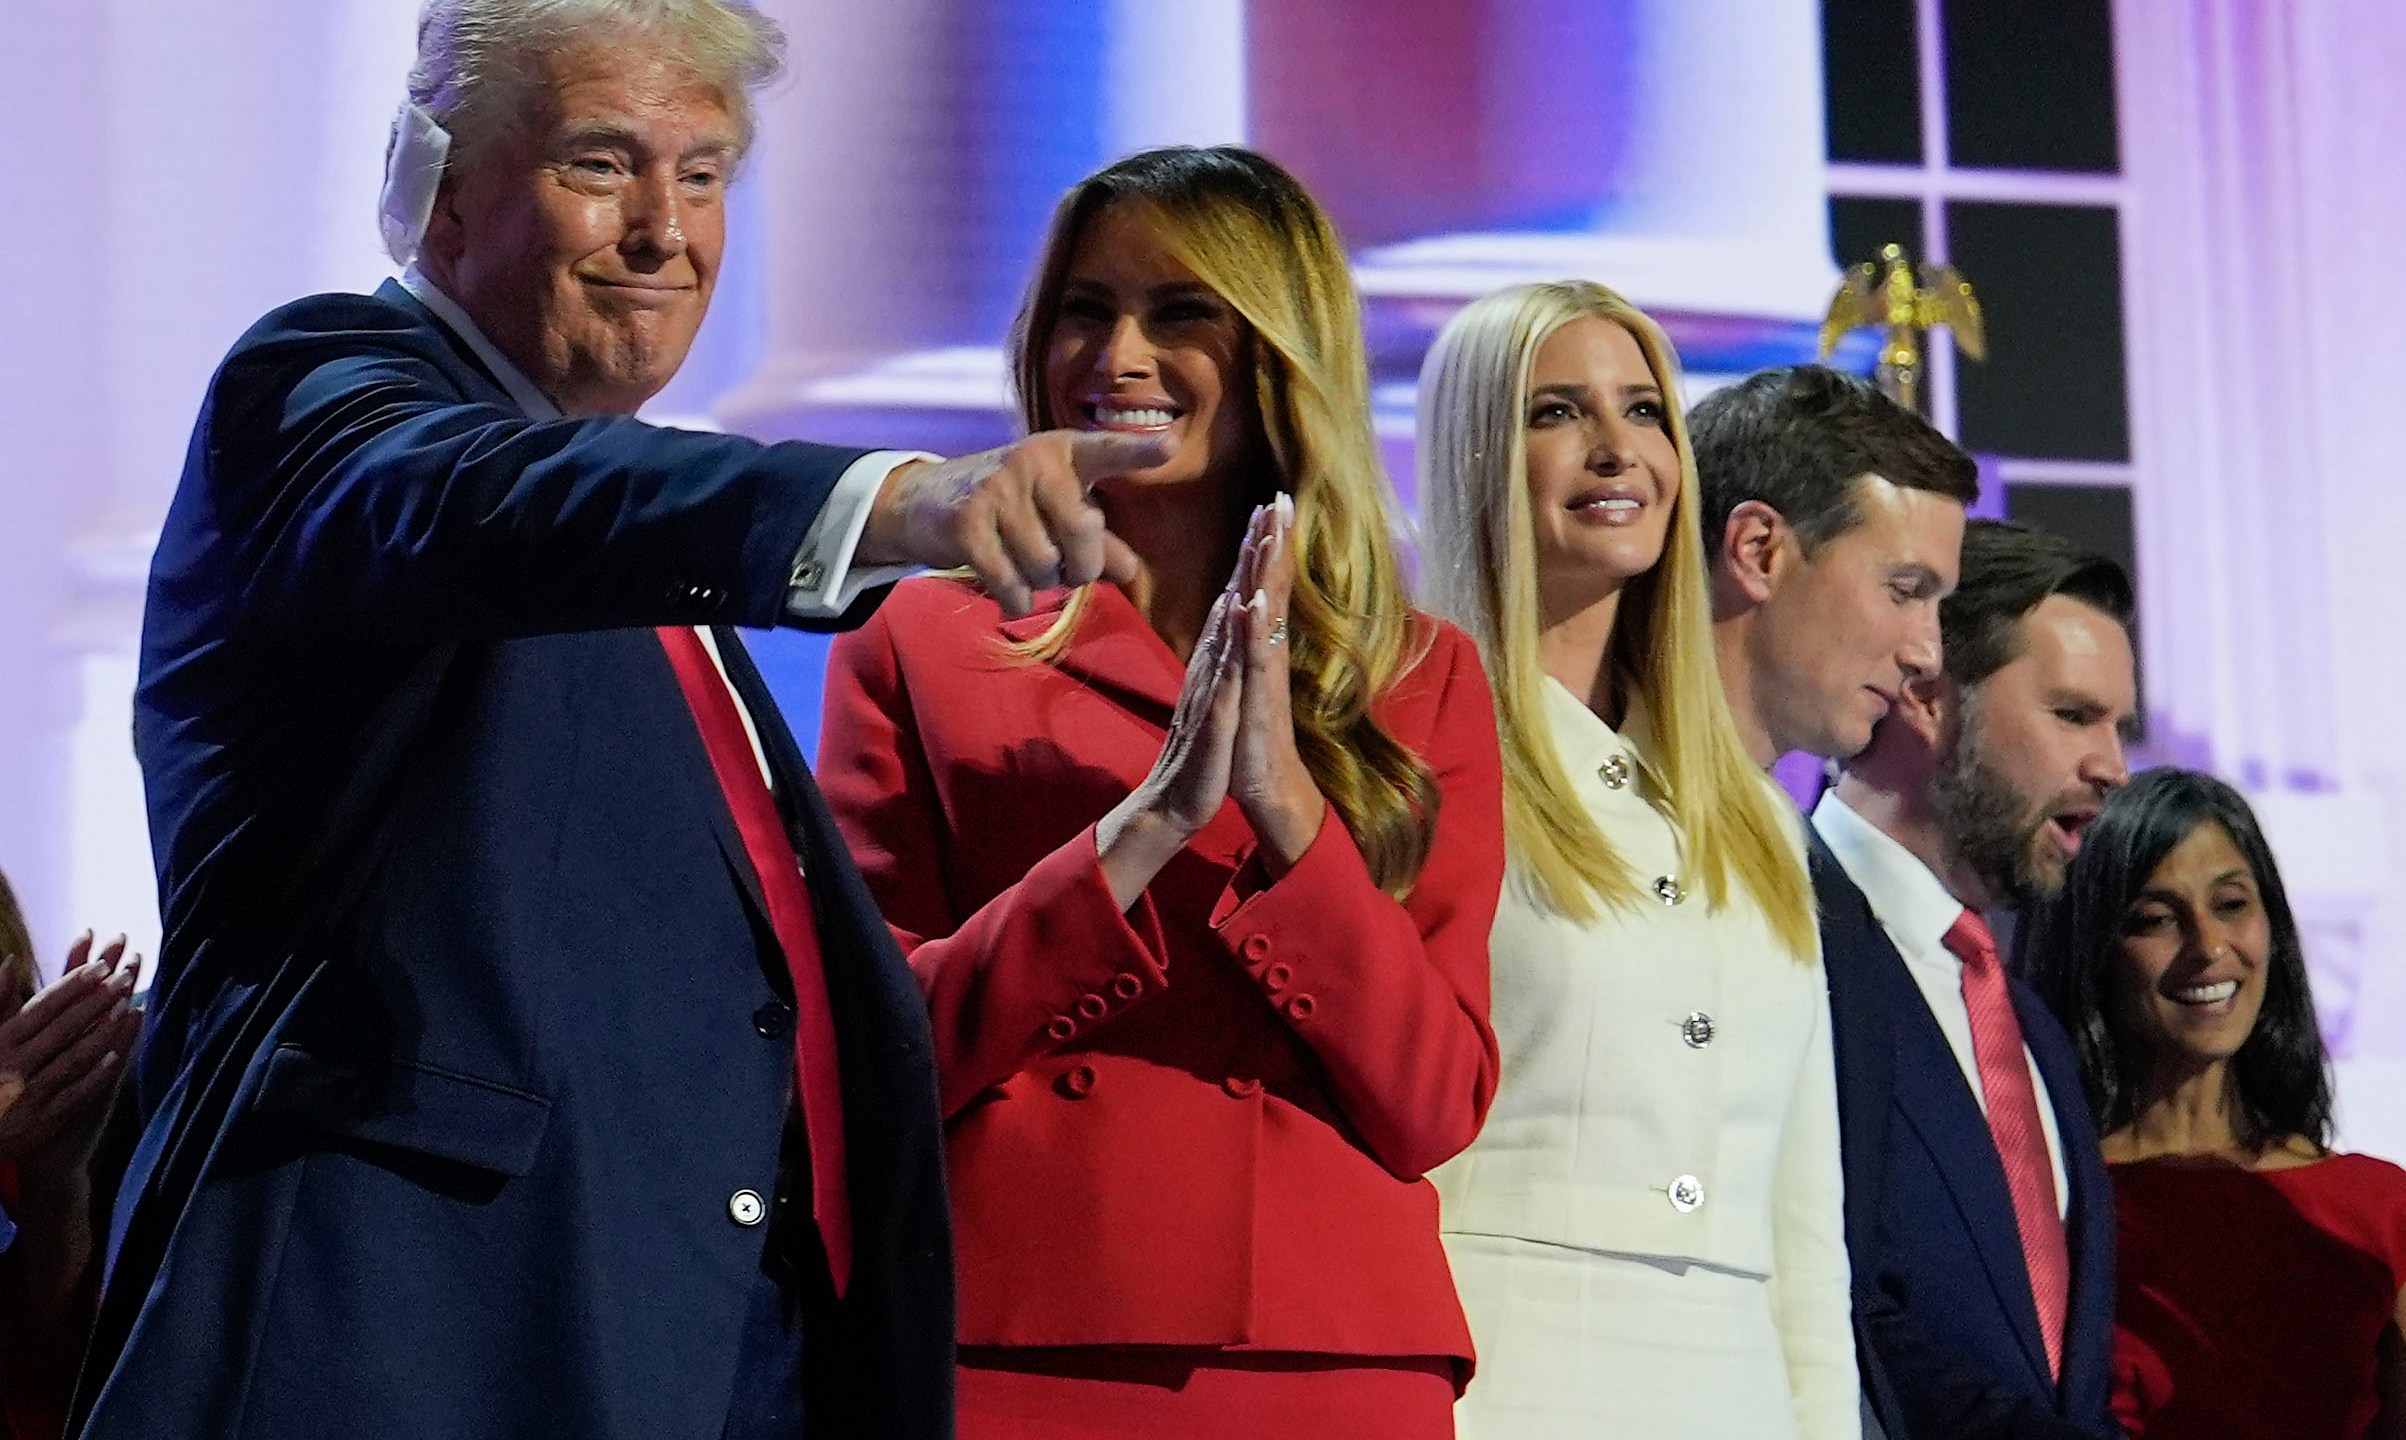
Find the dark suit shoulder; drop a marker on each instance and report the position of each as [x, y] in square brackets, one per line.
[317, 329]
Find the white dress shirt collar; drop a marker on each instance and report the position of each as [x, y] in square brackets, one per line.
[1904, 892]
[530, 397]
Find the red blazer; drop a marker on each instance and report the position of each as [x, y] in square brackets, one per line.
[1202, 1122]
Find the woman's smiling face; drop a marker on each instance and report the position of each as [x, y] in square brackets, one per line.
[2196, 945]
[1142, 346]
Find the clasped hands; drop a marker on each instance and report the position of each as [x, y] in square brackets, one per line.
[62, 1053]
[1232, 736]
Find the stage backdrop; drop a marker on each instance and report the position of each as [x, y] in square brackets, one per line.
[2179, 216]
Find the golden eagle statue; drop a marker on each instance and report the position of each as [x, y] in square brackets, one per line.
[1903, 311]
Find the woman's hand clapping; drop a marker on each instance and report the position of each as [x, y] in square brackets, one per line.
[1233, 733]
[62, 1053]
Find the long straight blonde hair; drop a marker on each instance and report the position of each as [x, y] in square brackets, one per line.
[1251, 232]
[1479, 569]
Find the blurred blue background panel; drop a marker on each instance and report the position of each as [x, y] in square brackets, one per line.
[794, 662]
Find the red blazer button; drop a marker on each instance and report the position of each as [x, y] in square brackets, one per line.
[1242, 1087]
[1062, 1027]
[1277, 976]
[1077, 1082]
[1257, 947]
[1093, 1007]
[1127, 987]
[1299, 1007]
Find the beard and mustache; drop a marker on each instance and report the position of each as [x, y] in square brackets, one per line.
[1995, 831]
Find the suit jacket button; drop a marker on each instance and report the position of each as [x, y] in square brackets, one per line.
[1093, 1007]
[1127, 987]
[745, 1207]
[1277, 976]
[1061, 1027]
[1256, 947]
[1615, 772]
[1669, 891]
[1687, 1194]
[1299, 1008]
[772, 1019]
[1077, 1082]
[1242, 1087]
[1697, 1030]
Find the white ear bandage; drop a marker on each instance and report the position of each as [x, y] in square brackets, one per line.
[413, 171]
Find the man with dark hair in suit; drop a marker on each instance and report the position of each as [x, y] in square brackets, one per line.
[1984, 1241]
[1836, 515]
[1832, 515]
[529, 1058]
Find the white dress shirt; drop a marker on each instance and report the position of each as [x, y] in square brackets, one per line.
[825, 582]
[1917, 910]
[1667, 1091]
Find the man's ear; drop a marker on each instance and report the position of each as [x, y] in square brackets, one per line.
[1925, 706]
[1748, 555]
[446, 234]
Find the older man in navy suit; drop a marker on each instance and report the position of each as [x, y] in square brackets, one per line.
[528, 1058]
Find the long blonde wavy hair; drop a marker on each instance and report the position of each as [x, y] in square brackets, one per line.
[1479, 569]
[1251, 232]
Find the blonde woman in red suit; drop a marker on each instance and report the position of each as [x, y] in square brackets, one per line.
[1197, 868]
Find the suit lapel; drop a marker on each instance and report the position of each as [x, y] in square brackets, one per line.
[702, 784]
[786, 765]
[1932, 1094]
[1112, 648]
[1938, 1103]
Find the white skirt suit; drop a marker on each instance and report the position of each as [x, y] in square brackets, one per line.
[1647, 1234]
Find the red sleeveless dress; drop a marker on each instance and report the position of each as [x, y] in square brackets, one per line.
[2251, 1302]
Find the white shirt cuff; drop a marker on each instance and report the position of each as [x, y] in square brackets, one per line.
[825, 581]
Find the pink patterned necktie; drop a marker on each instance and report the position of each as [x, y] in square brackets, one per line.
[2012, 1101]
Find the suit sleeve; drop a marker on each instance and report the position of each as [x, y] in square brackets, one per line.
[1025, 973]
[1811, 1278]
[358, 492]
[1393, 996]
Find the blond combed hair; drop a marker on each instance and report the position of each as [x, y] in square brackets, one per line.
[1479, 569]
[1252, 233]
[479, 59]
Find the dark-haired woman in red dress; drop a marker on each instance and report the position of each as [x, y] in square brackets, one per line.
[2261, 1275]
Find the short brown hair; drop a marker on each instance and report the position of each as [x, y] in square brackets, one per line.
[2007, 570]
[1798, 438]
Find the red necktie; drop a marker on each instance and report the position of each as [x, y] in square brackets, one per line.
[2013, 1122]
[772, 857]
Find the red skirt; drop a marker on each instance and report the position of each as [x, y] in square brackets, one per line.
[1081, 1393]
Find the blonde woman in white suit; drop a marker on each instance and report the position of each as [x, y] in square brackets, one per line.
[1647, 1234]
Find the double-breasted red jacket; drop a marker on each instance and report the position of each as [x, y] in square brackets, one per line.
[1204, 1121]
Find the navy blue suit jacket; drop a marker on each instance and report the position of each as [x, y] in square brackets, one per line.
[1945, 1324]
[470, 1024]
